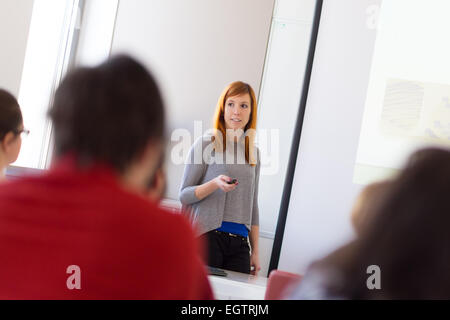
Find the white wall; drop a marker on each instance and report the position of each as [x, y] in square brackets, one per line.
[97, 29]
[15, 18]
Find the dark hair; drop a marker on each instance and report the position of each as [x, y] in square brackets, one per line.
[108, 113]
[10, 114]
[363, 206]
[408, 237]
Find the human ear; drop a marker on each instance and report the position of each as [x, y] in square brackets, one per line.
[8, 141]
[10, 145]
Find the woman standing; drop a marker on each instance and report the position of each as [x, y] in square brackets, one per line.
[219, 190]
[11, 128]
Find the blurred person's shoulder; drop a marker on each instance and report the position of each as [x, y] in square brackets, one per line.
[27, 184]
[181, 253]
[98, 192]
[158, 224]
[322, 275]
[315, 284]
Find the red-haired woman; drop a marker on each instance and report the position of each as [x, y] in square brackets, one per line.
[219, 189]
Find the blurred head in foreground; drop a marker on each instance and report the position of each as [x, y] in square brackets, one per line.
[112, 114]
[370, 195]
[406, 238]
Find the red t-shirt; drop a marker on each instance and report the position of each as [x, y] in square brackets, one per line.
[125, 246]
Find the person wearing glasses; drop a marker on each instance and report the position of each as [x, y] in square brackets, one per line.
[11, 130]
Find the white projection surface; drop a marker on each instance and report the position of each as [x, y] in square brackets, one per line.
[379, 90]
[408, 97]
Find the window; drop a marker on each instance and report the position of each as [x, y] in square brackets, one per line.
[50, 47]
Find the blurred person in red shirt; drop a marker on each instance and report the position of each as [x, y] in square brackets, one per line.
[86, 229]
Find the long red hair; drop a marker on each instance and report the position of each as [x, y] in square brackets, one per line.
[236, 89]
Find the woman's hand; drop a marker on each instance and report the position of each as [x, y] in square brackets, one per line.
[255, 267]
[222, 183]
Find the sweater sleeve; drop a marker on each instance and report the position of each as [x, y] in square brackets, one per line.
[255, 211]
[193, 173]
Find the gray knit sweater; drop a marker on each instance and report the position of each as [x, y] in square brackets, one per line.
[239, 205]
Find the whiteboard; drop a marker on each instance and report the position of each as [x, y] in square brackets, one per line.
[279, 101]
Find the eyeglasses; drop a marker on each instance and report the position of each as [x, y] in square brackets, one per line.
[23, 132]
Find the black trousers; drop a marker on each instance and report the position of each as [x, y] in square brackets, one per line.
[227, 252]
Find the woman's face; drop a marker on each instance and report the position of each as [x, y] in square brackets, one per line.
[237, 111]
